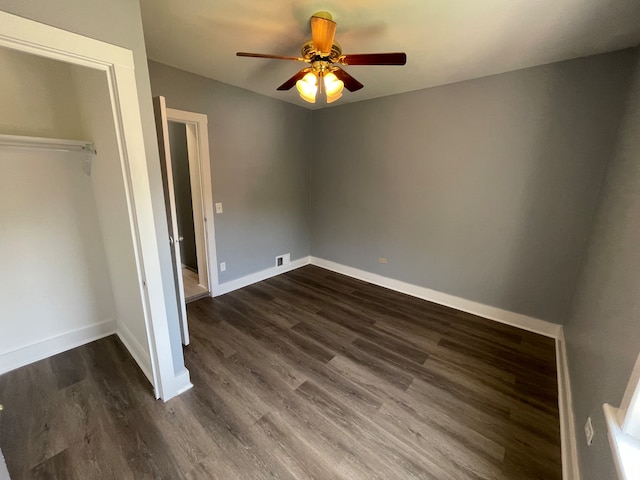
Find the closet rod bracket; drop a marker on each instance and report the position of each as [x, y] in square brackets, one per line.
[90, 151]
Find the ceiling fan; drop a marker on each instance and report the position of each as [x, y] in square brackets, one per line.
[323, 55]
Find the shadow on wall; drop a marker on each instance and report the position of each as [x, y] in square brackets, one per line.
[564, 165]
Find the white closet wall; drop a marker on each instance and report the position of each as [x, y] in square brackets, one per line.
[108, 188]
[37, 97]
[55, 290]
[68, 271]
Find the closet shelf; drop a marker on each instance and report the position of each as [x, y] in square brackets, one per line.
[60, 144]
[57, 144]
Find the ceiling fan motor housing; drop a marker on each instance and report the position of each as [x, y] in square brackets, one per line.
[309, 52]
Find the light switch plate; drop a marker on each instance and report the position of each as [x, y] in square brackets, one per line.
[588, 431]
[219, 207]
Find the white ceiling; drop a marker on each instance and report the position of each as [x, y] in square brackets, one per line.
[445, 40]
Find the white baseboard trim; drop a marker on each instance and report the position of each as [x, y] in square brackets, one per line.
[524, 322]
[4, 473]
[180, 384]
[171, 388]
[258, 277]
[136, 350]
[569, 447]
[52, 346]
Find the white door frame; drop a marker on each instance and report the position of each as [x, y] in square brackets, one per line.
[200, 175]
[28, 36]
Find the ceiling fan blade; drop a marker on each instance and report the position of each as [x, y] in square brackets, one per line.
[264, 55]
[350, 83]
[399, 58]
[323, 30]
[292, 81]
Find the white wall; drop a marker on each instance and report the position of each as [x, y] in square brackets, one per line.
[37, 97]
[53, 277]
[112, 211]
[54, 287]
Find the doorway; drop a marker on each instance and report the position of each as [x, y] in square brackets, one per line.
[186, 182]
[184, 152]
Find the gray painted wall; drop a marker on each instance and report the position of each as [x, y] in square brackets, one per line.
[182, 191]
[119, 22]
[259, 154]
[603, 335]
[484, 189]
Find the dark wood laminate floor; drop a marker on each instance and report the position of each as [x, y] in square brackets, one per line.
[306, 375]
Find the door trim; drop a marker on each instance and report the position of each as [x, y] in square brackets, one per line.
[197, 126]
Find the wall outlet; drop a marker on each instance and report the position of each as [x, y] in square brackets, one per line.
[219, 207]
[382, 260]
[588, 431]
[223, 266]
[282, 260]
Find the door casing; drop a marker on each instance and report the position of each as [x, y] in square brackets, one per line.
[201, 193]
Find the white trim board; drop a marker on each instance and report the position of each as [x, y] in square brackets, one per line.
[135, 349]
[182, 382]
[569, 447]
[257, 277]
[518, 320]
[54, 345]
[624, 447]
[51, 42]
[4, 473]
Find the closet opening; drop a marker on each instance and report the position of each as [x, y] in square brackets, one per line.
[79, 247]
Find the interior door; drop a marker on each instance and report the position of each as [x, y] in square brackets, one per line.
[162, 129]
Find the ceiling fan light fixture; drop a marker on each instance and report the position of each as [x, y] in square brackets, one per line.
[333, 98]
[308, 87]
[333, 86]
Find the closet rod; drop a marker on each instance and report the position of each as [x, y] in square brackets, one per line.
[47, 143]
